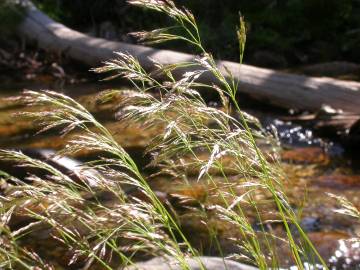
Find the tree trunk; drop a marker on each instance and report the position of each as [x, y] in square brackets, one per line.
[277, 88]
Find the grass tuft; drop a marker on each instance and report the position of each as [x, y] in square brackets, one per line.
[78, 213]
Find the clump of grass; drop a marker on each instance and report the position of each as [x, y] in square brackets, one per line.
[92, 229]
[127, 229]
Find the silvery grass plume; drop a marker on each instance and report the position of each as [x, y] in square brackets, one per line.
[10, 253]
[96, 231]
[348, 249]
[192, 127]
[183, 18]
[78, 214]
[348, 209]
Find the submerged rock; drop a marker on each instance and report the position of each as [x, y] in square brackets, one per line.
[66, 165]
[209, 263]
[311, 224]
[307, 155]
[338, 181]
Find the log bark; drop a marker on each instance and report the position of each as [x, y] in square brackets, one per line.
[277, 88]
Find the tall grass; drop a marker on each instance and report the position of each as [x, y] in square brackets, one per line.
[129, 228]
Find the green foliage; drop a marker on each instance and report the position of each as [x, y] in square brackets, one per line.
[10, 17]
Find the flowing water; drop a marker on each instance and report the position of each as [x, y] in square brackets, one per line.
[313, 168]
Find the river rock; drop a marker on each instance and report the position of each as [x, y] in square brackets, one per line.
[209, 263]
[339, 181]
[305, 155]
[66, 165]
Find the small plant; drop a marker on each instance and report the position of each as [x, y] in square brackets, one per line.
[130, 229]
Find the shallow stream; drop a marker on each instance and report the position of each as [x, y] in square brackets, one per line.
[314, 167]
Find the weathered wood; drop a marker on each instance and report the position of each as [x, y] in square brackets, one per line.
[281, 89]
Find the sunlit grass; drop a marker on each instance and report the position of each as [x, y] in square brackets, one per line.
[130, 228]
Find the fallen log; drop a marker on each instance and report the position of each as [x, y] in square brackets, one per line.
[277, 88]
